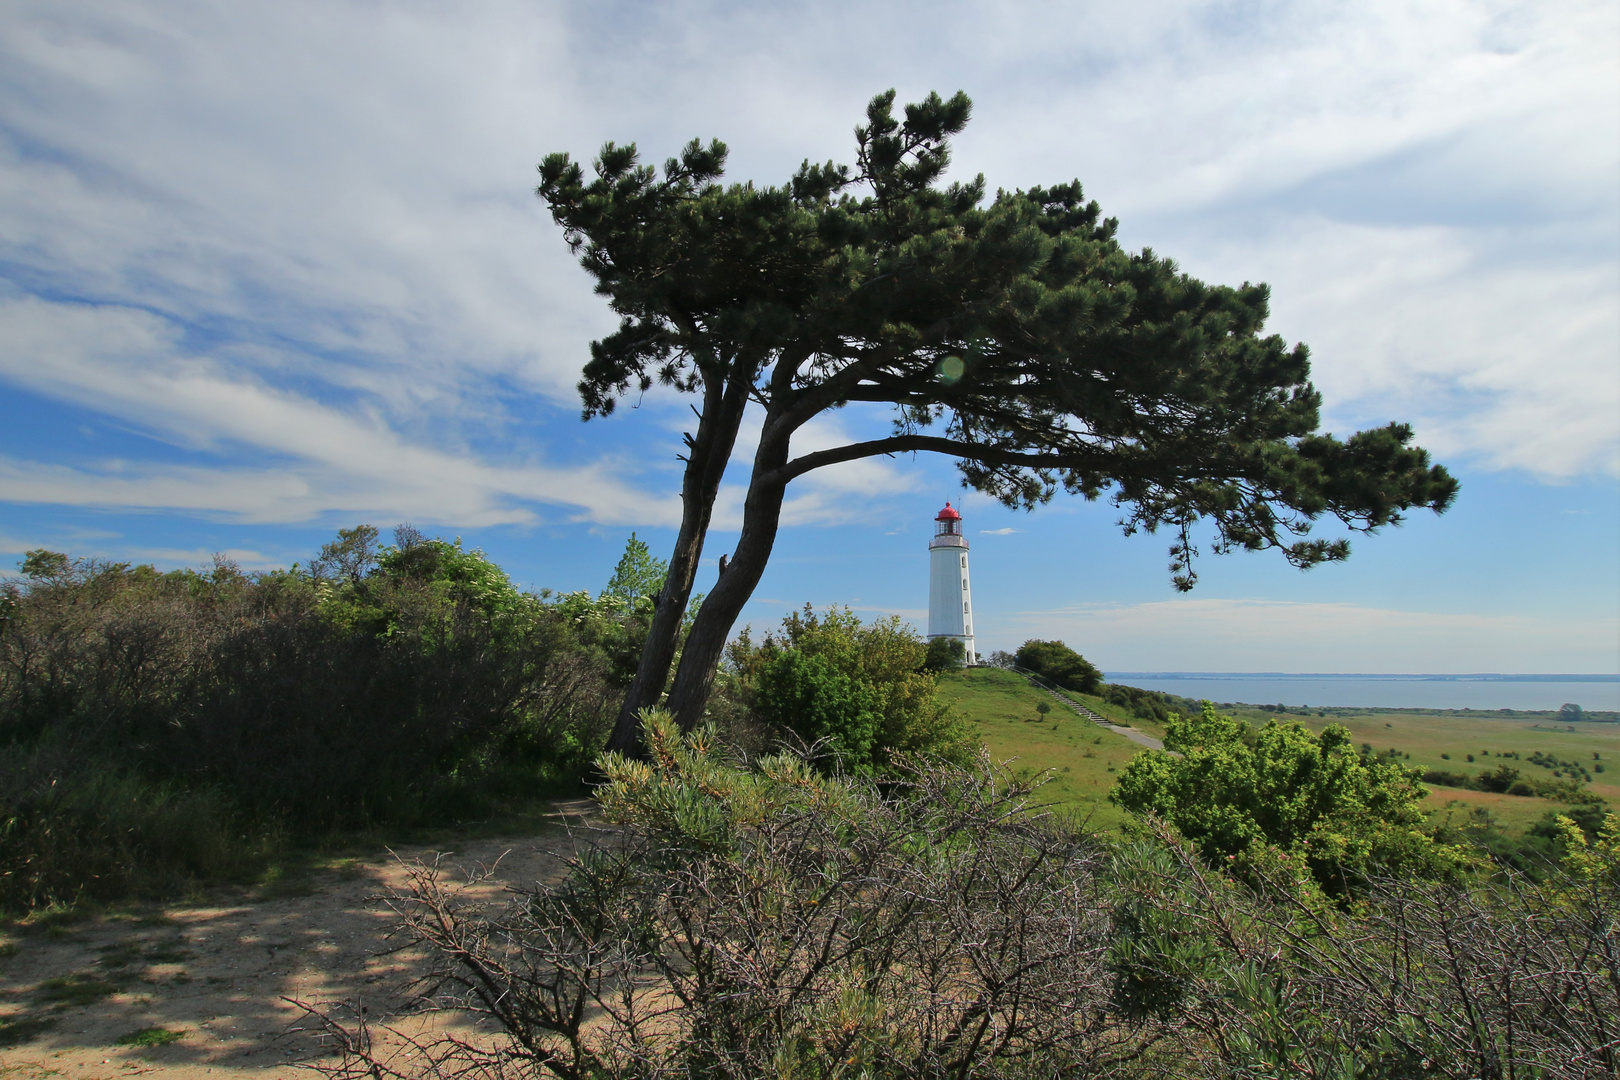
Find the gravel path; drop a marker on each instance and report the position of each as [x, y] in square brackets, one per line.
[1101, 721]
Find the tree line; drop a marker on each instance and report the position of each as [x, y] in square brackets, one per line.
[159, 728]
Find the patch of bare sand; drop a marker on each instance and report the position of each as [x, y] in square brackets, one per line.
[220, 972]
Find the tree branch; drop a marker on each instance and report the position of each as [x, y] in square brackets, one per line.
[903, 444]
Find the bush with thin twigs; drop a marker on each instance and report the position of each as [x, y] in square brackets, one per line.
[1500, 977]
[769, 920]
[773, 921]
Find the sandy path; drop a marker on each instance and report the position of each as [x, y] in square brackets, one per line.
[218, 972]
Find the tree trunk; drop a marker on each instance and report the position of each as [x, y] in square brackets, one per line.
[762, 515]
[707, 455]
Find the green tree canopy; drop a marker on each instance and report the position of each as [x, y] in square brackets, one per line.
[639, 572]
[43, 565]
[1011, 332]
[1057, 662]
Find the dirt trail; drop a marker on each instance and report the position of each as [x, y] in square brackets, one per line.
[219, 972]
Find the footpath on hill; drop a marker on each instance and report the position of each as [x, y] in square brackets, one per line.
[1103, 722]
[220, 972]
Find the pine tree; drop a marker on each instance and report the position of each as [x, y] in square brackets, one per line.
[1012, 333]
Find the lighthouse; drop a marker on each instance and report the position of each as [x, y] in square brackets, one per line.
[950, 603]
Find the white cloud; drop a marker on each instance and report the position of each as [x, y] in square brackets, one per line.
[129, 364]
[1193, 105]
[349, 177]
[1006, 531]
[1510, 362]
[1194, 634]
[314, 228]
[166, 557]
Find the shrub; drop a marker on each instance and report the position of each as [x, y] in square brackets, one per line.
[810, 695]
[68, 833]
[1448, 779]
[1142, 704]
[944, 654]
[856, 688]
[1499, 779]
[779, 922]
[1495, 977]
[770, 920]
[1283, 793]
[404, 685]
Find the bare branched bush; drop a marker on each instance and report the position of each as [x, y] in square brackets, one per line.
[1497, 978]
[774, 922]
[770, 921]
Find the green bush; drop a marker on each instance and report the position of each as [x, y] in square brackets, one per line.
[389, 686]
[783, 922]
[1142, 704]
[1499, 779]
[944, 654]
[765, 919]
[858, 688]
[1282, 796]
[808, 694]
[68, 833]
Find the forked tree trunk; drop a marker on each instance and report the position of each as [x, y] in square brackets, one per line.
[706, 641]
[707, 454]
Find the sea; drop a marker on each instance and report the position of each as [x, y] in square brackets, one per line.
[1525, 692]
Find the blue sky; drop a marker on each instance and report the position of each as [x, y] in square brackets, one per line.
[268, 270]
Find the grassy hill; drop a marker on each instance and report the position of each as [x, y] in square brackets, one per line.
[1084, 758]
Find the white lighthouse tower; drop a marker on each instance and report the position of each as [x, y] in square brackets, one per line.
[950, 603]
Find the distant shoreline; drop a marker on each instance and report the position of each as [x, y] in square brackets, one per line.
[1348, 676]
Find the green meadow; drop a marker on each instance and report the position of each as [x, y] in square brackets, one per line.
[1083, 759]
[1446, 741]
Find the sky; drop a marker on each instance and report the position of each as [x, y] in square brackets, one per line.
[271, 270]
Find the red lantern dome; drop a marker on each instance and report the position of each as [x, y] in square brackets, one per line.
[948, 514]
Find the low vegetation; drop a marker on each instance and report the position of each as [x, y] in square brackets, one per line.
[159, 730]
[1062, 669]
[147, 1038]
[765, 918]
[1282, 800]
[859, 695]
[1079, 760]
[830, 877]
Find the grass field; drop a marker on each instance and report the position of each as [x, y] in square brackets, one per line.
[1084, 759]
[1428, 739]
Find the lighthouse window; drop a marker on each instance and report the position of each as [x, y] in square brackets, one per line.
[964, 607]
[964, 583]
[964, 562]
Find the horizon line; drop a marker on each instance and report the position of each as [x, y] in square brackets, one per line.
[1479, 676]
